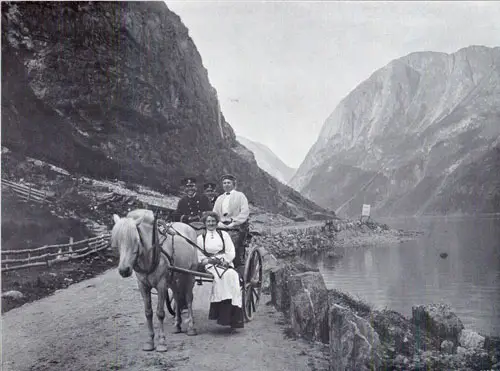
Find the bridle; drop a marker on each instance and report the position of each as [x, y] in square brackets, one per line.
[157, 250]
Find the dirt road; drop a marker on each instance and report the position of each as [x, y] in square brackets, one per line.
[98, 324]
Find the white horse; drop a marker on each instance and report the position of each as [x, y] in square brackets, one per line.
[136, 238]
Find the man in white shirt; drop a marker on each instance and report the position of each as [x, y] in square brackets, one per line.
[233, 210]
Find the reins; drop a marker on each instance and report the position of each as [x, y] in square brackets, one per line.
[176, 232]
[158, 248]
[208, 255]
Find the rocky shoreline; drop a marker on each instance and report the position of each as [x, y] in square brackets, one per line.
[358, 337]
[332, 237]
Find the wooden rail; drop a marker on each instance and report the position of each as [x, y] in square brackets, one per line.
[28, 193]
[53, 254]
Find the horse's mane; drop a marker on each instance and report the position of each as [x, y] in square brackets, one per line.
[125, 230]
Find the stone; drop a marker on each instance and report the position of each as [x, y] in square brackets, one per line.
[462, 351]
[278, 279]
[447, 346]
[394, 331]
[439, 320]
[309, 306]
[354, 344]
[269, 262]
[471, 339]
[13, 294]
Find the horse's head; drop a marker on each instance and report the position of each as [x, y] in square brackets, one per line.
[125, 238]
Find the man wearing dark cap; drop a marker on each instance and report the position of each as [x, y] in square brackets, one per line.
[232, 207]
[209, 189]
[191, 206]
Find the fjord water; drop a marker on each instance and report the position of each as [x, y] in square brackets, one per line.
[401, 275]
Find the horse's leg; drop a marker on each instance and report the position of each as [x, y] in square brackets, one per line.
[148, 309]
[189, 297]
[178, 317]
[160, 313]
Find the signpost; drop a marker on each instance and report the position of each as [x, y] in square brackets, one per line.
[365, 212]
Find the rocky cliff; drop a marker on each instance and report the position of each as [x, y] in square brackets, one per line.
[419, 136]
[118, 90]
[268, 161]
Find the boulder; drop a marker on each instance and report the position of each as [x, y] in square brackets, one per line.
[278, 279]
[354, 344]
[309, 306]
[13, 294]
[439, 320]
[447, 346]
[269, 262]
[471, 339]
[395, 333]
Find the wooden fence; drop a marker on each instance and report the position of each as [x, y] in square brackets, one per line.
[49, 255]
[28, 193]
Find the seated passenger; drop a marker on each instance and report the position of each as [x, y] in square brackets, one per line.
[191, 206]
[225, 298]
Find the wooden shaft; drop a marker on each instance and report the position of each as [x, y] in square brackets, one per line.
[194, 273]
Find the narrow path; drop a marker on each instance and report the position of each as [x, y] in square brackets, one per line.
[98, 325]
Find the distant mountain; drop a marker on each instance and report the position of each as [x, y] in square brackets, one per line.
[420, 136]
[268, 161]
[118, 90]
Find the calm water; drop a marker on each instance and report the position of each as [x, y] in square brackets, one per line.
[400, 276]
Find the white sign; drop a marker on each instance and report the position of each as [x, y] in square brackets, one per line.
[366, 210]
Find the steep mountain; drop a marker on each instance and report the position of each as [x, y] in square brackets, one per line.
[118, 90]
[267, 160]
[419, 136]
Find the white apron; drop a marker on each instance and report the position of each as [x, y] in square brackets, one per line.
[226, 283]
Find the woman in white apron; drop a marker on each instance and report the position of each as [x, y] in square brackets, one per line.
[217, 257]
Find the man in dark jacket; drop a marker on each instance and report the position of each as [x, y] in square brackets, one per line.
[210, 192]
[191, 207]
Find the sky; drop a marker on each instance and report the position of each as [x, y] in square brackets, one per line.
[281, 68]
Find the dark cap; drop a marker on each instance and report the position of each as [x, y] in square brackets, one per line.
[209, 186]
[228, 176]
[189, 181]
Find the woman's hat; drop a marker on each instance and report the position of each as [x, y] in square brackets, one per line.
[228, 176]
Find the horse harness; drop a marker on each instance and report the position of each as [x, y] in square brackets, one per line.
[203, 251]
[158, 249]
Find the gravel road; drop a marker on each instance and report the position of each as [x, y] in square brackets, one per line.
[98, 324]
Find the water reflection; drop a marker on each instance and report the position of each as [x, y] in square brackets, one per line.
[398, 277]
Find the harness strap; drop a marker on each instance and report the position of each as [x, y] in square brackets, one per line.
[208, 255]
[155, 247]
[204, 234]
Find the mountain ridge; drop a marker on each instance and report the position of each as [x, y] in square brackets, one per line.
[118, 90]
[268, 160]
[414, 121]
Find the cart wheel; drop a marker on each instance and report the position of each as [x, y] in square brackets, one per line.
[170, 301]
[252, 284]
